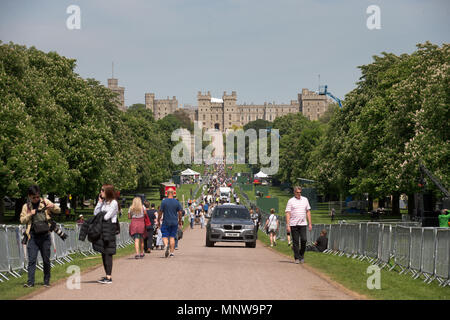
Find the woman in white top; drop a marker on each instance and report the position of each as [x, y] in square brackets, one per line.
[108, 206]
[202, 218]
[272, 225]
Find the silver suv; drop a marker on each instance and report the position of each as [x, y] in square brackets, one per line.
[231, 223]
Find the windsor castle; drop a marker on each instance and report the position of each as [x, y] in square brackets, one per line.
[224, 113]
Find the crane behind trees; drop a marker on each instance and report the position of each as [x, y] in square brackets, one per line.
[323, 91]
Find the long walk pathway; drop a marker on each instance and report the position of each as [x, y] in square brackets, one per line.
[225, 271]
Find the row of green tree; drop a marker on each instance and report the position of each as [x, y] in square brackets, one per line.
[67, 135]
[395, 118]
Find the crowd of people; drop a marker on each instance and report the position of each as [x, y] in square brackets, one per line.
[160, 228]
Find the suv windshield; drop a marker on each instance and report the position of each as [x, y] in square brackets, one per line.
[235, 213]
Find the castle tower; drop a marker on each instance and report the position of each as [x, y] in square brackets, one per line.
[160, 107]
[206, 115]
[313, 105]
[230, 111]
[113, 84]
[150, 102]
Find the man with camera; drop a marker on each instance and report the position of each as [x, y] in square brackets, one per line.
[36, 215]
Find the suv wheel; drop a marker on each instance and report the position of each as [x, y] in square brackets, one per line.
[209, 243]
[250, 244]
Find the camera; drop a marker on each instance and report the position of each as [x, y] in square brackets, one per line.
[58, 231]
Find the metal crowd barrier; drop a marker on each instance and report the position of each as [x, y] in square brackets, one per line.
[14, 257]
[442, 266]
[401, 248]
[415, 251]
[4, 261]
[384, 247]
[406, 245]
[428, 253]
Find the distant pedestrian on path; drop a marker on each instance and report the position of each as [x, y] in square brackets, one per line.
[107, 206]
[258, 220]
[272, 225]
[191, 216]
[297, 211]
[171, 212]
[332, 214]
[137, 226]
[36, 214]
[202, 218]
[151, 213]
[159, 242]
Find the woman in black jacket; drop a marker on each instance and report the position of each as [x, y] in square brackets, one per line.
[108, 207]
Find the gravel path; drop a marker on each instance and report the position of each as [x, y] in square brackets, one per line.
[223, 272]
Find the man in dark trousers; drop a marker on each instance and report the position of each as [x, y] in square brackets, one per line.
[298, 219]
[36, 214]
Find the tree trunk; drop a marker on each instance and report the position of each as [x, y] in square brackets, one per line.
[370, 203]
[382, 202]
[411, 204]
[2, 209]
[395, 204]
[18, 208]
[73, 203]
[63, 203]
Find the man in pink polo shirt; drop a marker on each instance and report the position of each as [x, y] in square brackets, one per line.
[297, 210]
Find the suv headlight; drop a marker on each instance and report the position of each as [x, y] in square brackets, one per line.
[248, 226]
[215, 225]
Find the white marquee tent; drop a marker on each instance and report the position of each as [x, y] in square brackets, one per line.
[261, 174]
[189, 172]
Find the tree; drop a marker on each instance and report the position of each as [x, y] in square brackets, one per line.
[395, 117]
[67, 134]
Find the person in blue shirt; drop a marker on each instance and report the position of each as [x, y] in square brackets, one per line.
[172, 219]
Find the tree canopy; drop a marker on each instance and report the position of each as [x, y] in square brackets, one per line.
[66, 133]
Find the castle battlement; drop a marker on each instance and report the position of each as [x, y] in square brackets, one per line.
[224, 113]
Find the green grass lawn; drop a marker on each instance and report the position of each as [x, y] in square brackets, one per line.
[319, 216]
[352, 274]
[236, 168]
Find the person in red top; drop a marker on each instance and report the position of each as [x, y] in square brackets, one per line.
[137, 226]
[297, 211]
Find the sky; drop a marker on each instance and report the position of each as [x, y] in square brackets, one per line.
[266, 51]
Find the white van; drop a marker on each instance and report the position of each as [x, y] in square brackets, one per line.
[225, 193]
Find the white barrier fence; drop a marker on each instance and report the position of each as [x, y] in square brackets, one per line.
[14, 257]
[416, 250]
[405, 245]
